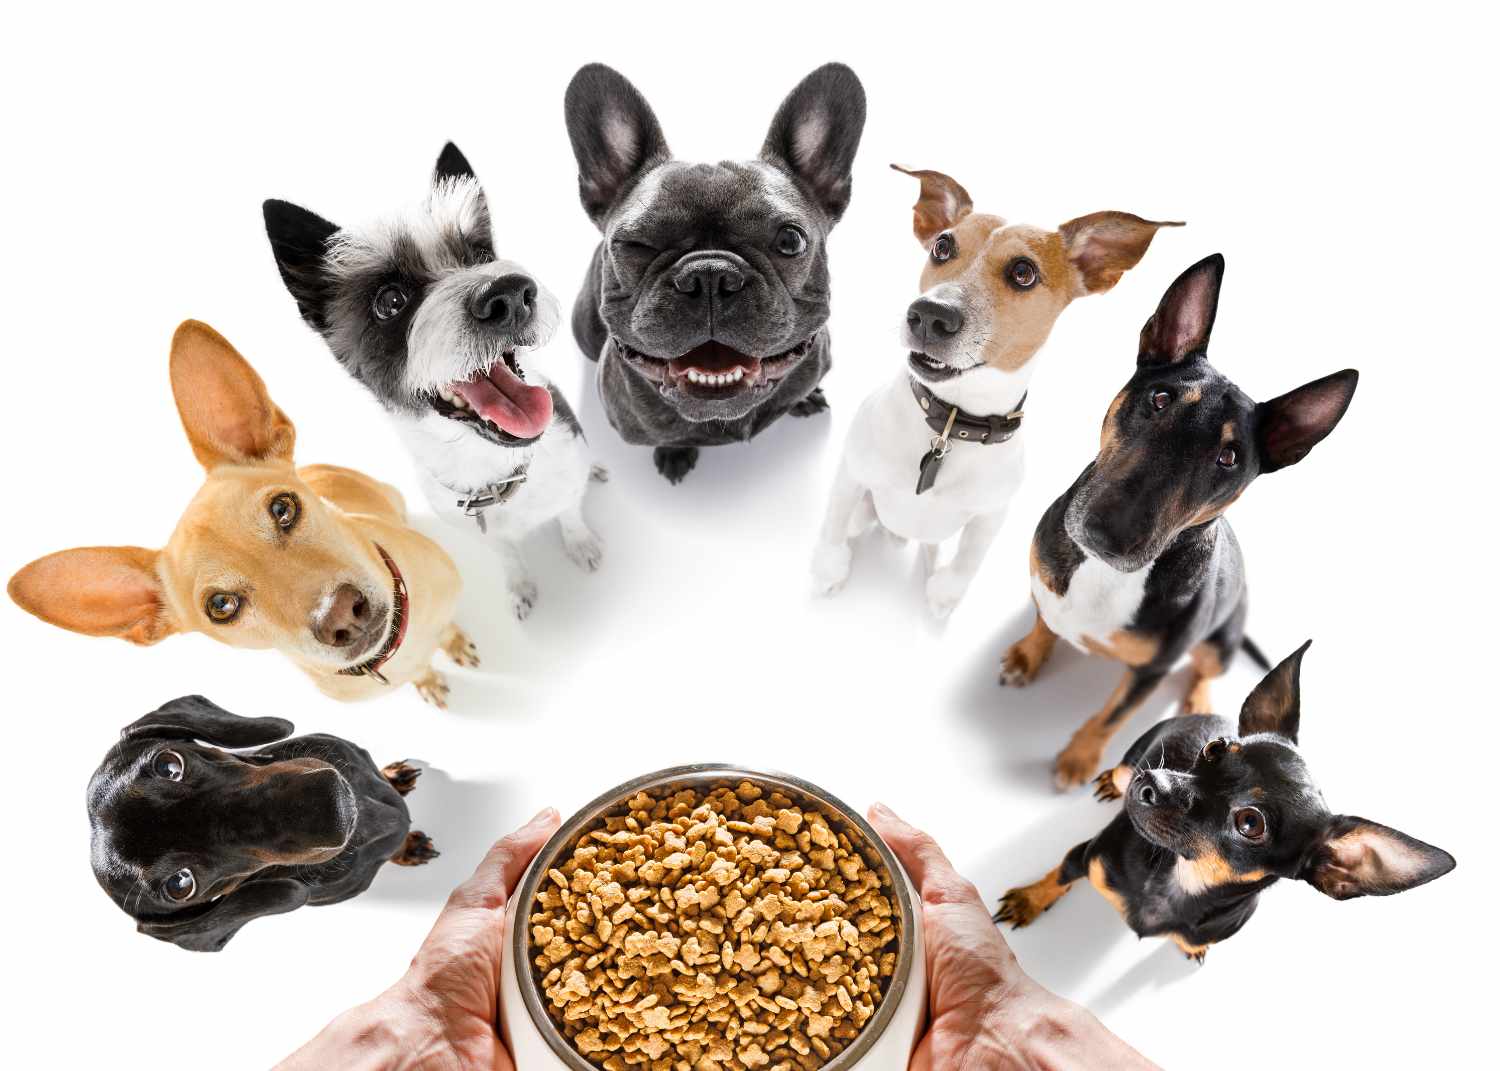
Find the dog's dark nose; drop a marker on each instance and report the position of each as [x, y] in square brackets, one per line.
[708, 275]
[507, 302]
[343, 619]
[930, 318]
[1145, 791]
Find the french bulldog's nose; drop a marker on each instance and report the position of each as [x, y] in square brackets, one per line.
[928, 317]
[506, 302]
[714, 276]
[343, 618]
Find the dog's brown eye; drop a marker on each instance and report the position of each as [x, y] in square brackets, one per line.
[944, 248]
[1229, 457]
[285, 509]
[222, 606]
[168, 765]
[790, 241]
[180, 885]
[1161, 399]
[1249, 823]
[389, 301]
[1214, 750]
[1022, 274]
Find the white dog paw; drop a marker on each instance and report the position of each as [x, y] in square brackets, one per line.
[830, 567]
[522, 598]
[945, 590]
[586, 551]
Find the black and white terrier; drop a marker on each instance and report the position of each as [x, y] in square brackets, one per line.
[420, 309]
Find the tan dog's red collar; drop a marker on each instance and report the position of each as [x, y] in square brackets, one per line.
[400, 608]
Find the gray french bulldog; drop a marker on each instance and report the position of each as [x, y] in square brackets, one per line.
[706, 303]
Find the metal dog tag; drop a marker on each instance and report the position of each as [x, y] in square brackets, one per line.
[927, 471]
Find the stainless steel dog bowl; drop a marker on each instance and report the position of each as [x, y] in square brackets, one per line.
[885, 1043]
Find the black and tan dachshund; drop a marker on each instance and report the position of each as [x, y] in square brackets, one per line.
[193, 840]
[1136, 561]
[1215, 813]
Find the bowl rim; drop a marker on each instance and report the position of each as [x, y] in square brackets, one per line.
[691, 775]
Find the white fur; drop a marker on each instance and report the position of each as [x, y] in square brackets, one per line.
[1100, 601]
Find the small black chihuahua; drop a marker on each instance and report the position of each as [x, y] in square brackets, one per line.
[193, 841]
[1213, 816]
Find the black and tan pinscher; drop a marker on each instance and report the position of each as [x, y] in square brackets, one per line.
[1214, 813]
[1136, 561]
[193, 841]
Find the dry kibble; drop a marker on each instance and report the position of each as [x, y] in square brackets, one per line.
[728, 930]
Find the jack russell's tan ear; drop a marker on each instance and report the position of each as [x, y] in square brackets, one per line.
[98, 591]
[227, 413]
[941, 204]
[1105, 245]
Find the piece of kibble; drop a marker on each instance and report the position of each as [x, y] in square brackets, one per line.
[729, 930]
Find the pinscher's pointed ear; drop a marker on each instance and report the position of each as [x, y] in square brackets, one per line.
[941, 203]
[225, 408]
[616, 138]
[815, 134]
[1105, 245]
[98, 591]
[193, 717]
[1293, 424]
[300, 241]
[1356, 857]
[1275, 704]
[1181, 324]
[209, 928]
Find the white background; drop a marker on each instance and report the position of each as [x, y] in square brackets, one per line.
[1340, 161]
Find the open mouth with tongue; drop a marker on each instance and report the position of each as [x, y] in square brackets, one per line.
[713, 370]
[499, 404]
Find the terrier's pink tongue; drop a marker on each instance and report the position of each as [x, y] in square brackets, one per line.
[513, 406]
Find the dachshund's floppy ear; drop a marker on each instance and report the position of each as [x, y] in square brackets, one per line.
[194, 718]
[209, 930]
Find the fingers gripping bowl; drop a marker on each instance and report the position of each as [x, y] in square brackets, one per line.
[715, 918]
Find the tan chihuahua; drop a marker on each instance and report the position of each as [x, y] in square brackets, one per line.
[315, 562]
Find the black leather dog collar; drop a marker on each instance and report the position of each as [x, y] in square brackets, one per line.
[950, 422]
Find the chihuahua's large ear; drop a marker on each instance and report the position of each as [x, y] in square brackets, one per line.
[1105, 245]
[227, 413]
[208, 929]
[1293, 424]
[941, 203]
[1181, 324]
[1275, 704]
[98, 591]
[615, 137]
[1356, 857]
[300, 241]
[816, 132]
[193, 717]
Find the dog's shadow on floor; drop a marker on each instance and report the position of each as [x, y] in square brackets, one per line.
[463, 818]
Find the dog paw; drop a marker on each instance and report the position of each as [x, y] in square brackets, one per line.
[830, 567]
[945, 590]
[401, 775]
[1108, 786]
[1018, 668]
[1199, 699]
[812, 405]
[523, 596]
[1075, 766]
[586, 551]
[415, 850]
[1019, 908]
[675, 462]
[433, 688]
[461, 649]
[599, 474]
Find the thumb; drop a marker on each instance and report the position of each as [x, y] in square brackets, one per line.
[929, 868]
[499, 872]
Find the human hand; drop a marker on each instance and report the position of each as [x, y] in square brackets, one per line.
[442, 1014]
[986, 1013]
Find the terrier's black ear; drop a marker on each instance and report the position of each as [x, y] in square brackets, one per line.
[615, 137]
[451, 164]
[1275, 704]
[816, 132]
[210, 928]
[1181, 324]
[300, 240]
[1356, 857]
[1293, 424]
[193, 717]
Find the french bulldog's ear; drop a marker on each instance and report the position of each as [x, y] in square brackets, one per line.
[816, 133]
[1181, 324]
[226, 411]
[1275, 704]
[1105, 245]
[1290, 426]
[97, 591]
[1355, 857]
[193, 717]
[210, 927]
[941, 204]
[615, 137]
[451, 164]
[299, 242]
